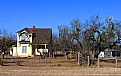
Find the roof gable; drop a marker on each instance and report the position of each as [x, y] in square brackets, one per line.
[39, 35]
[25, 29]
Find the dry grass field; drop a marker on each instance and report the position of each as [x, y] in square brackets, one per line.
[58, 67]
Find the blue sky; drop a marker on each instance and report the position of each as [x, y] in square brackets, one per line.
[18, 14]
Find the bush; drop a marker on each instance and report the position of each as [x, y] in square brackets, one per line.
[59, 64]
[18, 63]
[1, 62]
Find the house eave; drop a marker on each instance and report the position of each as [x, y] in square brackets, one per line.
[24, 42]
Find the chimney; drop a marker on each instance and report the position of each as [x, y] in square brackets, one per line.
[33, 28]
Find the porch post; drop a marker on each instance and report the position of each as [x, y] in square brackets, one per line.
[45, 46]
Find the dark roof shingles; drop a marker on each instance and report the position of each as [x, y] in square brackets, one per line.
[42, 36]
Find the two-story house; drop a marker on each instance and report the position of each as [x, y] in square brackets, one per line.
[32, 41]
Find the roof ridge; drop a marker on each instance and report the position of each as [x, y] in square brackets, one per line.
[41, 28]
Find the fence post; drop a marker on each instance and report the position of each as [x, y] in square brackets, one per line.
[66, 56]
[98, 62]
[49, 55]
[78, 58]
[116, 62]
[88, 61]
[53, 54]
[49, 62]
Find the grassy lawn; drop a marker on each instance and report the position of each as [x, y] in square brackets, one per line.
[55, 67]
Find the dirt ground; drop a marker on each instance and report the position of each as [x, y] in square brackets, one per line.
[55, 67]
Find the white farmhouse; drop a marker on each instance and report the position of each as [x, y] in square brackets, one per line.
[32, 41]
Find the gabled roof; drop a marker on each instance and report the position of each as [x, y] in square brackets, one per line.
[42, 36]
[27, 29]
[39, 35]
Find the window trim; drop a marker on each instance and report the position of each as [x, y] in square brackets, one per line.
[24, 49]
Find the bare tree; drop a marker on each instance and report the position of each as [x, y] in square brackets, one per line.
[76, 32]
[7, 39]
[64, 39]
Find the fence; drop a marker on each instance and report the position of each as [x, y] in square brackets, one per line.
[104, 59]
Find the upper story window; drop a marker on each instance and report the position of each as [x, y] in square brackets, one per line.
[24, 36]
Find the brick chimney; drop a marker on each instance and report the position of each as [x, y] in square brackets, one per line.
[33, 28]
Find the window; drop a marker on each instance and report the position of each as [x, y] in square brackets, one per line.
[42, 47]
[47, 46]
[24, 49]
[24, 37]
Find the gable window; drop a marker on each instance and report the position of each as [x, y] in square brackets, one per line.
[24, 49]
[24, 37]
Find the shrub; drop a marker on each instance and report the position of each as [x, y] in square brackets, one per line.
[18, 63]
[59, 64]
[1, 62]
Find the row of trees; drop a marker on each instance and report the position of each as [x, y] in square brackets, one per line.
[92, 36]
[7, 39]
